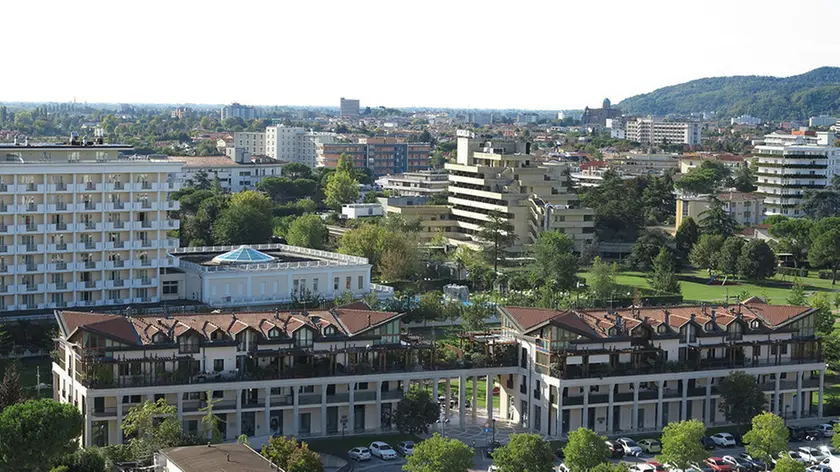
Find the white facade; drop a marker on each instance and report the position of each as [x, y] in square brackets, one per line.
[822, 120]
[235, 110]
[424, 182]
[251, 141]
[789, 165]
[361, 210]
[349, 107]
[295, 271]
[293, 144]
[81, 226]
[745, 120]
[233, 176]
[650, 131]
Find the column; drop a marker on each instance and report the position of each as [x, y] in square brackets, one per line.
[462, 399]
[610, 408]
[120, 416]
[799, 395]
[88, 421]
[820, 393]
[489, 398]
[238, 429]
[447, 392]
[435, 389]
[560, 410]
[684, 402]
[324, 409]
[351, 413]
[707, 406]
[378, 419]
[777, 398]
[296, 411]
[267, 414]
[660, 405]
[545, 409]
[635, 413]
[474, 396]
[584, 416]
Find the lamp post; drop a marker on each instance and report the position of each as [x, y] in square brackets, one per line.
[787, 407]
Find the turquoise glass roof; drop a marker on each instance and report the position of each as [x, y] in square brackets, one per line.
[242, 255]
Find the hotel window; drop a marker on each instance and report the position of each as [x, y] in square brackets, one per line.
[218, 365]
[170, 287]
[295, 285]
[347, 282]
[361, 284]
[315, 285]
[274, 333]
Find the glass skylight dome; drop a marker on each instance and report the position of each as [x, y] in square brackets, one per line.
[243, 255]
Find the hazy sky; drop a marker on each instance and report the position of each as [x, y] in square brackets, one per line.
[550, 54]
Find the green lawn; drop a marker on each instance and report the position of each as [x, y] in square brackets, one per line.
[28, 370]
[481, 387]
[776, 289]
[339, 445]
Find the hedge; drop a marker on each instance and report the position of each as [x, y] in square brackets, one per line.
[826, 274]
[792, 271]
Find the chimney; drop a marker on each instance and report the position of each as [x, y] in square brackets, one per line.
[618, 321]
[693, 317]
[714, 316]
[667, 318]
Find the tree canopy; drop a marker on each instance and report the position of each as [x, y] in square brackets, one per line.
[416, 411]
[286, 453]
[758, 261]
[555, 259]
[440, 454]
[663, 277]
[681, 443]
[307, 231]
[585, 450]
[524, 453]
[35, 434]
[740, 397]
[767, 438]
[497, 232]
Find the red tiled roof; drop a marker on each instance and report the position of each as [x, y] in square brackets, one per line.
[527, 317]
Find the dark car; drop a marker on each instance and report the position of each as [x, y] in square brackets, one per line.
[796, 434]
[707, 442]
[559, 453]
[757, 464]
[813, 434]
[492, 446]
[616, 450]
[739, 439]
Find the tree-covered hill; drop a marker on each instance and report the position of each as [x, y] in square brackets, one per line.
[769, 98]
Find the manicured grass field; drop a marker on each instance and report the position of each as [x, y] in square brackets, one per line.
[776, 289]
[481, 387]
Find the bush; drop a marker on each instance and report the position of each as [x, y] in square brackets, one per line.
[825, 274]
[793, 271]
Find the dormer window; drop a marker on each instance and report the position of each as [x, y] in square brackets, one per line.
[710, 326]
[613, 331]
[329, 331]
[755, 324]
[158, 338]
[303, 338]
[217, 335]
[660, 329]
[274, 333]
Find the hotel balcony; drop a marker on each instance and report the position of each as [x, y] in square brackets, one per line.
[6, 209]
[89, 206]
[31, 208]
[115, 187]
[115, 283]
[89, 187]
[29, 268]
[145, 205]
[89, 265]
[30, 228]
[89, 285]
[30, 288]
[60, 247]
[59, 207]
[116, 244]
[144, 282]
[142, 186]
[7, 229]
[7, 269]
[60, 227]
[117, 264]
[144, 225]
[60, 287]
[7, 289]
[89, 246]
[60, 304]
[60, 266]
[171, 205]
[90, 226]
[116, 225]
[30, 188]
[116, 206]
[30, 248]
[145, 263]
[170, 186]
[58, 187]
[145, 244]
[145, 300]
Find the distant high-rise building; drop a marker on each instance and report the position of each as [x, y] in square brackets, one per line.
[251, 141]
[745, 120]
[349, 107]
[383, 156]
[651, 131]
[235, 110]
[822, 120]
[294, 144]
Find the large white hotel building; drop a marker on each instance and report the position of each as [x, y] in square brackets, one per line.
[83, 225]
[341, 371]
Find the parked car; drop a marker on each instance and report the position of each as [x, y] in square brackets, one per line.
[718, 465]
[796, 434]
[791, 454]
[616, 450]
[630, 447]
[739, 439]
[493, 468]
[492, 446]
[651, 446]
[642, 468]
[819, 468]
[707, 442]
[359, 454]
[739, 463]
[759, 464]
[406, 447]
[382, 450]
[723, 440]
[657, 466]
[559, 454]
[826, 429]
[813, 434]
[561, 468]
[812, 454]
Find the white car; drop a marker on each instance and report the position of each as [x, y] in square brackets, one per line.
[812, 454]
[382, 450]
[630, 447]
[826, 429]
[494, 468]
[723, 440]
[642, 468]
[359, 454]
[795, 455]
[406, 447]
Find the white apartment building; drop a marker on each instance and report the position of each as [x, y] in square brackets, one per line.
[251, 141]
[790, 164]
[82, 225]
[341, 371]
[747, 209]
[419, 183]
[233, 176]
[293, 144]
[352, 211]
[745, 120]
[822, 120]
[268, 274]
[651, 131]
[501, 176]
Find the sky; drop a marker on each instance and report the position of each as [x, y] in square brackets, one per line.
[550, 54]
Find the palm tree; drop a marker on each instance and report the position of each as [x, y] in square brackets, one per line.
[210, 423]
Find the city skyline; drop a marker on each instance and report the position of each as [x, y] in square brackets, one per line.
[447, 55]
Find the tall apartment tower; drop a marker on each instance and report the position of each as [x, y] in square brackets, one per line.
[82, 226]
[295, 144]
[502, 176]
[349, 107]
[791, 164]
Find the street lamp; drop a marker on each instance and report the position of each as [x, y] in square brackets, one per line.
[787, 407]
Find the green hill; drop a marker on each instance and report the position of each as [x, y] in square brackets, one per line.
[770, 98]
